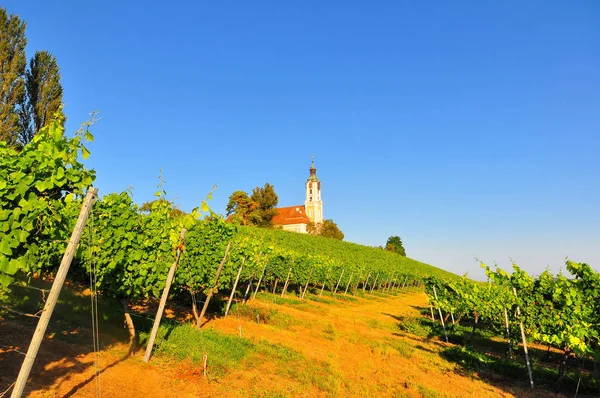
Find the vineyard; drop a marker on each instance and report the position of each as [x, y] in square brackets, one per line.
[135, 258]
[559, 312]
[129, 254]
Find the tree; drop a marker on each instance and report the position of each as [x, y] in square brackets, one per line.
[258, 209]
[12, 71]
[327, 229]
[394, 244]
[266, 200]
[241, 207]
[29, 98]
[44, 95]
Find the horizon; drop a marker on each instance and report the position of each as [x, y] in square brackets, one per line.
[469, 130]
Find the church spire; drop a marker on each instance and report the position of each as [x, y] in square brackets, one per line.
[313, 204]
[313, 170]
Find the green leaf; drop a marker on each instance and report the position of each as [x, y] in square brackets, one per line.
[88, 136]
[13, 266]
[85, 153]
[5, 247]
[205, 207]
[56, 132]
[43, 185]
[5, 280]
[60, 173]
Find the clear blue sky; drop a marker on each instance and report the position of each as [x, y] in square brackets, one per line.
[470, 129]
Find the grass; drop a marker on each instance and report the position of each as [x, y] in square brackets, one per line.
[230, 352]
[224, 352]
[417, 326]
[269, 316]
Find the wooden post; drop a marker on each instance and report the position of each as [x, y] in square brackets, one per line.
[431, 308]
[404, 284]
[338, 284]
[237, 278]
[261, 276]
[248, 289]
[348, 285]
[366, 281]
[212, 290]
[308, 280]
[507, 331]
[374, 283]
[163, 299]
[322, 288]
[275, 285]
[441, 317]
[385, 285]
[286, 283]
[524, 342]
[57, 285]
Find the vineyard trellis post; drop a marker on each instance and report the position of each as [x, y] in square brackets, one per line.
[348, 285]
[431, 308]
[338, 284]
[440, 311]
[366, 281]
[248, 288]
[261, 276]
[237, 278]
[163, 298]
[510, 354]
[404, 284]
[212, 290]
[373, 285]
[57, 285]
[308, 280]
[524, 342]
[287, 281]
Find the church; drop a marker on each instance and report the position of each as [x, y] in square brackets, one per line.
[296, 218]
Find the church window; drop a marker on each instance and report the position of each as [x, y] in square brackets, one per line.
[311, 198]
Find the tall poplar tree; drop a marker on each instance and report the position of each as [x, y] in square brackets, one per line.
[12, 75]
[44, 95]
[29, 97]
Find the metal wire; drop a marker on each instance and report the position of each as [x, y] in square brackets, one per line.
[94, 301]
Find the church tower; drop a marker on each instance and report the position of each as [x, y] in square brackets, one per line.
[313, 203]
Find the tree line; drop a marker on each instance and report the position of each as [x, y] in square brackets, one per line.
[30, 94]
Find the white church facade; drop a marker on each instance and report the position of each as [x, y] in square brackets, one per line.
[296, 218]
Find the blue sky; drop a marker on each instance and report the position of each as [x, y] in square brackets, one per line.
[470, 129]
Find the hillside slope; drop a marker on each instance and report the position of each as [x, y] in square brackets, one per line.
[353, 255]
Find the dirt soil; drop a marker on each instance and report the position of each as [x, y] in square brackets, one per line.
[360, 344]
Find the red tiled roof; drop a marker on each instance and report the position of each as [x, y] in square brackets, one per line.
[290, 215]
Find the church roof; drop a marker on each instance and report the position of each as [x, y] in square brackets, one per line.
[291, 215]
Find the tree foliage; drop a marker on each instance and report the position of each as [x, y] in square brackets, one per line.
[29, 98]
[241, 208]
[12, 75]
[43, 95]
[394, 244]
[327, 229]
[257, 209]
[266, 200]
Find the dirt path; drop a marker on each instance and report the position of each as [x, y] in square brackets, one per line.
[357, 348]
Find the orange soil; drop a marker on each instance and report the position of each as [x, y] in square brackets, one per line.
[355, 341]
